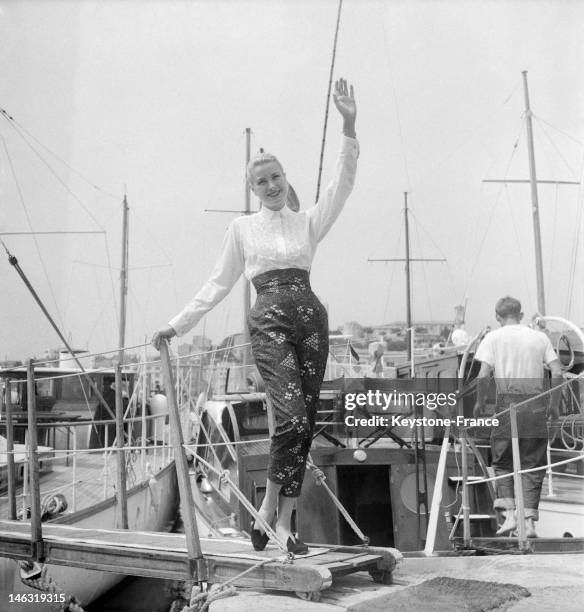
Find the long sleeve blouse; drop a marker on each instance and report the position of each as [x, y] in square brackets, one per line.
[273, 240]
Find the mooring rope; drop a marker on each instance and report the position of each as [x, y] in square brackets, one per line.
[225, 476]
[43, 582]
[319, 477]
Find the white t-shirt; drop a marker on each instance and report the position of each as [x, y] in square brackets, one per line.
[517, 354]
[273, 240]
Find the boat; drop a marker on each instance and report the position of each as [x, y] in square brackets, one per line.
[83, 465]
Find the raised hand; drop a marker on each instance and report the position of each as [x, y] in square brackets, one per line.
[344, 98]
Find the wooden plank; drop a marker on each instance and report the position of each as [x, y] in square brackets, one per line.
[182, 468]
[277, 575]
[122, 490]
[388, 556]
[10, 457]
[33, 462]
[161, 555]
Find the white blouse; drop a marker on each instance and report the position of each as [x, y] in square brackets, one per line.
[272, 240]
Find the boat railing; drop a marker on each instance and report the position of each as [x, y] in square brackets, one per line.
[577, 454]
[154, 456]
[119, 451]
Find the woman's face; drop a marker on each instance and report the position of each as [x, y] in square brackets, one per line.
[270, 185]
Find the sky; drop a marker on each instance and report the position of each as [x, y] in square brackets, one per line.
[151, 99]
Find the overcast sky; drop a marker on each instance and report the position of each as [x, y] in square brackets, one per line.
[153, 98]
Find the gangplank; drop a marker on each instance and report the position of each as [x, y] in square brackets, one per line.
[165, 555]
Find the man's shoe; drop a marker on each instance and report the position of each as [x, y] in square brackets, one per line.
[509, 525]
[530, 528]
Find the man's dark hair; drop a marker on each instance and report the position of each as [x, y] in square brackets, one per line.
[508, 307]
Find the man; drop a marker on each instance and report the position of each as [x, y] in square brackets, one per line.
[517, 356]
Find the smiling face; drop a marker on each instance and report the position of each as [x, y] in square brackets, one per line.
[268, 182]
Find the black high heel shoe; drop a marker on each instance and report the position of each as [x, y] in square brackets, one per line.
[259, 540]
[298, 547]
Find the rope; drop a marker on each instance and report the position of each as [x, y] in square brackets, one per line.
[43, 582]
[200, 602]
[540, 395]
[527, 471]
[225, 477]
[320, 478]
[36, 243]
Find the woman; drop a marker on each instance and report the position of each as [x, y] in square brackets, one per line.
[288, 325]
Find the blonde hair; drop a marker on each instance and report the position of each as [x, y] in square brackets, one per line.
[258, 160]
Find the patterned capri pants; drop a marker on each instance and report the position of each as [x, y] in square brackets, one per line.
[289, 339]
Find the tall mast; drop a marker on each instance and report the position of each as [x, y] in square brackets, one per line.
[408, 282]
[534, 202]
[246, 283]
[123, 283]
[533, 182]
[407, 261]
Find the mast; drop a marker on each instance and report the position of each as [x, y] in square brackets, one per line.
[408, 259]
[533, 182]
[408, 282]
[246, 283]
[123, 282]
[534, 202]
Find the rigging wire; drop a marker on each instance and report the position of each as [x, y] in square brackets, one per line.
[390, 285]
[51, 170]
[29, 223]
[578, 142]
[435, 244]
[579, 229]
[492, 212]
[20, 129]
[522, 258]
[102, 311]
[328, 100]
[387, 55]
[424, 272]
[577, 225]
[553, 249]
[544, 131]
[113, 288]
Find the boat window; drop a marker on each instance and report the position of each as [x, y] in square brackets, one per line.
[75, 389]
[45, 388]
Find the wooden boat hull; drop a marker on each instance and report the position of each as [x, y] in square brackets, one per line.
[152, 506]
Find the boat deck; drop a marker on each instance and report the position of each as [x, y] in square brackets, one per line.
[89, 490]
[94, 482]
[568, 489]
